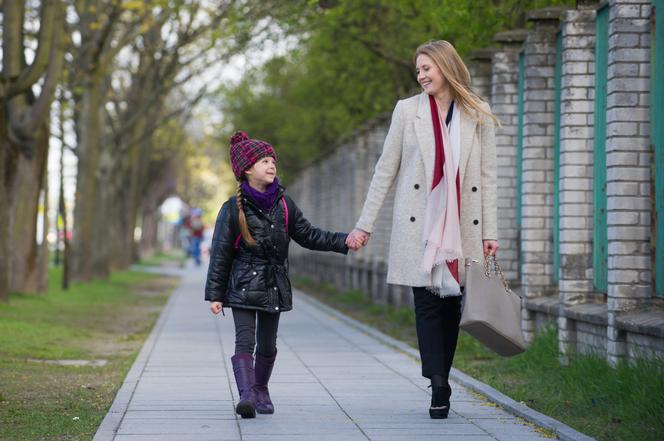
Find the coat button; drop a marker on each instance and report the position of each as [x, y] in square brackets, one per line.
[417, 186]
[474, 188]
[412, 219]
[254, 273]
[476, 222]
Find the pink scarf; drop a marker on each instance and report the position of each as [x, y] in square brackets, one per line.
[442, 231]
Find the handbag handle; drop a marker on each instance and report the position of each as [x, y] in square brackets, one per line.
[490, 261]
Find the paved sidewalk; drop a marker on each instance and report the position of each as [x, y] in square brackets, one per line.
[331, 382]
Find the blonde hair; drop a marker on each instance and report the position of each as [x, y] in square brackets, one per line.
[456, 73]
[242, 218]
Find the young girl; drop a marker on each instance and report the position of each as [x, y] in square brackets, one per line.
[249, 265]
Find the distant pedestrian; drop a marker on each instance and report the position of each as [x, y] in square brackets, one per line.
[196, 232]
[440, 150]
[248, 269]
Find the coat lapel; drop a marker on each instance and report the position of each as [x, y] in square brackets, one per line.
[425, 139]
[467, 131]
[427, 143]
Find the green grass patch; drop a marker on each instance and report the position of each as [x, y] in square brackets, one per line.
[107, 320]
[175, 257]
[621, 403]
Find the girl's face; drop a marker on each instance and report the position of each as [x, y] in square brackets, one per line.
[262, 173]
[429, 76]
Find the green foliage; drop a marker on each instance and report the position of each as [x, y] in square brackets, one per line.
[353, 62]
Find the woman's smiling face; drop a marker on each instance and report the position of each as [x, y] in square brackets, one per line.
[428, 75]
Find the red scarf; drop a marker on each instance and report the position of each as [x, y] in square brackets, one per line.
[438, 171]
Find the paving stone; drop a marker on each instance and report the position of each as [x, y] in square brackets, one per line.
[331, 382]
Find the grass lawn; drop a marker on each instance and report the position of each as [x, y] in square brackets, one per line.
[174, 257]
[106, 320]
[622, 403]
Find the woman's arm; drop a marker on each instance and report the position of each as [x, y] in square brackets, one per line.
[222, 252]
[385, 172]
[489, 183]
[314, 238]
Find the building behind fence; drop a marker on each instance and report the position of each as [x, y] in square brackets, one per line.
[580, 95]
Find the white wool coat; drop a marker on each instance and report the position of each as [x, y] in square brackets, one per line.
[408, 157]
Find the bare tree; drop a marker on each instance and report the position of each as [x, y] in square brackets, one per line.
[24, 137]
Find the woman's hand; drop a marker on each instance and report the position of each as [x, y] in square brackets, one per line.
[357, 239]
[215, 307]
[490, 247]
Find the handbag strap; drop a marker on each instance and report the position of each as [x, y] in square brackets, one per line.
[491, 261]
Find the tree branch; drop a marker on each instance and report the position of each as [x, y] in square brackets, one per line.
[51, 17]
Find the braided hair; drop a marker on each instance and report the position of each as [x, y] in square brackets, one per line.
[242, 218]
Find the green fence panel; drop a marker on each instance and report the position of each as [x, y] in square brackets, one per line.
[556, 156]
[657, 136]
[519, 151]
[600, 243]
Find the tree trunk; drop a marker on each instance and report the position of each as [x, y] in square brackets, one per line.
[42, 256]
[150, 222]
[87, 203]
[5, 191]
[26, 187]
[104, 229]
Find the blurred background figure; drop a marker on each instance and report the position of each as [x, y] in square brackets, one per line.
[196, 232]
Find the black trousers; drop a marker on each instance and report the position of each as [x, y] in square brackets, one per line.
[437, 322]
[255, 328]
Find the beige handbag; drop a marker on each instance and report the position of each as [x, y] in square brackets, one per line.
[492, 311]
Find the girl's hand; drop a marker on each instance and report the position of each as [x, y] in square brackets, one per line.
[490, 247]
[215, 307]
[357, 239]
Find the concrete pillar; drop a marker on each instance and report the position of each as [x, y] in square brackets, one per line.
[576, 166]
[504, 104]
[537, 155]
[576, 157]
[480, 72]
[628, 165]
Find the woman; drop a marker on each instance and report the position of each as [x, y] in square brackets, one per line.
[441, 147]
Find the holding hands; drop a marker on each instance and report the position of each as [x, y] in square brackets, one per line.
[357, 239]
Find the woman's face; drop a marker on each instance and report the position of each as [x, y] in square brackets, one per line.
[429, 76]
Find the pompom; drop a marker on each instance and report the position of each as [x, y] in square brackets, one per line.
[239, 136]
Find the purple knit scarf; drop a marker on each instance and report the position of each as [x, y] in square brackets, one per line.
[265, 200]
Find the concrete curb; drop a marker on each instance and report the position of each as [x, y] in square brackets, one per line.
[562, 431]
[108, 428]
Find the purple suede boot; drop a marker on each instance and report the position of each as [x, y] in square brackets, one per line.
[243, 368]
[264, 367]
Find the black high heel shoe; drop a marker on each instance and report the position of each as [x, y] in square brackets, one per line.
[440, 402]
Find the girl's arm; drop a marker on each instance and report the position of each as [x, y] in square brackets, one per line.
[222, 252]
[314, 238]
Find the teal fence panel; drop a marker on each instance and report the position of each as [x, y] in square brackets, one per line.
[556, 155]
[657, 136]
[519, 151]
[600, 242]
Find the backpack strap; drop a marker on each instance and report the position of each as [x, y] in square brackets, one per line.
[283, 200]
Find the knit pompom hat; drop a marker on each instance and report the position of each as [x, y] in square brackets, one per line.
[245, 152]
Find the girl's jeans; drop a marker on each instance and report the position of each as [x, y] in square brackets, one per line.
[255, 327]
